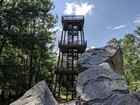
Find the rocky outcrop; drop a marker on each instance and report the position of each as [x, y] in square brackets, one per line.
[136, 95]
[37, 95]
[100, 85]
[100, 81]
[111, 54]
[73, 102]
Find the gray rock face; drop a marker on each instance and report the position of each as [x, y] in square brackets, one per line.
[99, 85]
[137, 95]
[100, 81]
[70, 103]
[37, 95]
[111, 54]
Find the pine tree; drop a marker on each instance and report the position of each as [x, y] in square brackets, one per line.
[26, 45]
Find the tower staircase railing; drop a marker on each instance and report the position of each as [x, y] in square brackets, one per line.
[74, 43]
[73, 17]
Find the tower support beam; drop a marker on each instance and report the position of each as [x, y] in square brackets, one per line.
[71, 45]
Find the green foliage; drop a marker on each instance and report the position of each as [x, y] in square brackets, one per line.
[130, 45]
[26, 46]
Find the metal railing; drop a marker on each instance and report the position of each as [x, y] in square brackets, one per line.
[73, 17]
[74, 43]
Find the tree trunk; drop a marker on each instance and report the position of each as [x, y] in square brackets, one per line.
[2, 46]
[3, 92]
[31, 69]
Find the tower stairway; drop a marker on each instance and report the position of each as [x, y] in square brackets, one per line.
[71, 45]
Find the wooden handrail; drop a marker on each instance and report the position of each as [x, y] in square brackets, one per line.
[79, 42]
[72, 17]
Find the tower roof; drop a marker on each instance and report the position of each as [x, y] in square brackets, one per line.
[72, 18]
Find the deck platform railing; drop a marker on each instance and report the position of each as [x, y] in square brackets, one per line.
[79, 42]
[73, 17]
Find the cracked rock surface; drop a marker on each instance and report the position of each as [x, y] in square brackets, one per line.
[111, 54]
[100, 81]
[37, 95]
[100, 85]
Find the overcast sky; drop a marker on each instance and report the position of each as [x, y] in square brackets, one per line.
[104, 19]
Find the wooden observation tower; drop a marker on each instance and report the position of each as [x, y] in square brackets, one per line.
[71, 45]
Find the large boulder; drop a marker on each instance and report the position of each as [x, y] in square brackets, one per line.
[37, 95]
[73, 102]
[111, 54]
[137, 95]
[100, 85]
[100, 81]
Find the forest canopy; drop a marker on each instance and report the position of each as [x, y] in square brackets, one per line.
[26, 46]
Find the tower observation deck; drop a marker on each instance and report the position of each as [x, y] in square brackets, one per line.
[71, 45]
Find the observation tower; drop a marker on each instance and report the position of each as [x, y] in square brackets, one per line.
[71, 45]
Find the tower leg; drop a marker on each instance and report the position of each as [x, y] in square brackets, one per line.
[67, 87]
[59, 86]
[54, 93]
[72, 87]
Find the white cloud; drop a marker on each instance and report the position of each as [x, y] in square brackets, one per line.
[137, 20]
[83, 9]
[116, 27]
[138, 14]
[87, 48]
[92, 47]
[58, 37]
[78, 9]
[119, 27]
[108, 27]
[59, 30]
[69, 8]
[55, 29]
